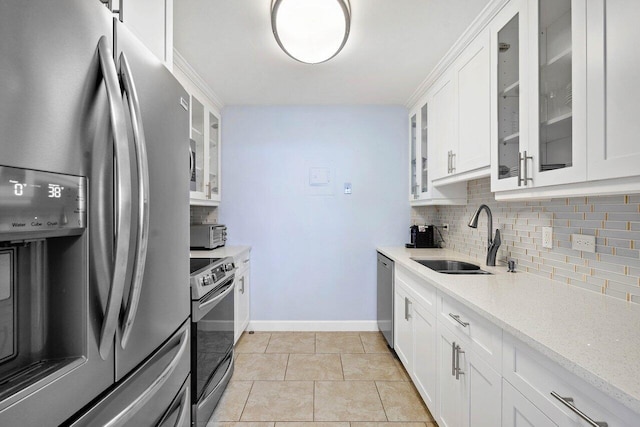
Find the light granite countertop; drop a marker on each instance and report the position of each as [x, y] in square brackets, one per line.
[223, 252]
[594, 336]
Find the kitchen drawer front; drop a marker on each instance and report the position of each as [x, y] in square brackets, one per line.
[419, 290]
[536, 377]
[484, 337]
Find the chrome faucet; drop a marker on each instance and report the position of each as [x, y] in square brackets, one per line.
[493, 243]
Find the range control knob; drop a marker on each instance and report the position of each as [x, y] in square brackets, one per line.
[206, 280]
[228, 267]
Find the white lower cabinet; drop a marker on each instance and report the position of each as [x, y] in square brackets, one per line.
[546, 385]
[415, 333]
[470, 391]
[242, 300]
[425, 355]
[472, 374]
[517, 411]
[403, 327]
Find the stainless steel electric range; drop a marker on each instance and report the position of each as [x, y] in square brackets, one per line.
[212, 322]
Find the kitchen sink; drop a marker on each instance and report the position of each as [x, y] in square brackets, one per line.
[448, 266]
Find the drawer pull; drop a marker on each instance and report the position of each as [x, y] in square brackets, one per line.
[568, 402]
[456, 317]
[453, 358]
[406, 309]
[458, 370]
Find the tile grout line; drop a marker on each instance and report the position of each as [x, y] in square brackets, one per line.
[244, 406]
[381, 402]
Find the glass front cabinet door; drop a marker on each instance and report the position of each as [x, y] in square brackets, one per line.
[205, 154]
[509, 96]
[539, 94]
[418, 131]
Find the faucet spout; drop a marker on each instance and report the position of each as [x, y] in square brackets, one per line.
[492, 243]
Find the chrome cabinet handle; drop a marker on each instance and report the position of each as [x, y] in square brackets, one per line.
[523, 171]
[406, 308]
[458, 370]
[142, 164]
[448, 161]
[242, 286]
[127, 413]
[520, 180]
[246, 261]
[456, 317]
[568, 402]
[453, 358]
[453, 165]
[123, 197]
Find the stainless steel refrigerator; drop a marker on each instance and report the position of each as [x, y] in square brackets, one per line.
[93, 316]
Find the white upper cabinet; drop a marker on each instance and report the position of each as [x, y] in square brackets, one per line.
[422, 128]
[205, 145]
[509, 94]
[152, 22]
[613, 62]
[472, 73]
[443, 103]
[539, 90]
[558, 80]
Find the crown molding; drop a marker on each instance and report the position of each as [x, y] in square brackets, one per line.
[472, 31]
[186, 69]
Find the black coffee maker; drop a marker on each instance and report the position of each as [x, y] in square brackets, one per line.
[422, 236]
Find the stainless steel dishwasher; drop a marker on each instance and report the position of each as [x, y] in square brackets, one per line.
[385, 298]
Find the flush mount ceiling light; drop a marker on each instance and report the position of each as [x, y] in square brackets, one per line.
[311, 31]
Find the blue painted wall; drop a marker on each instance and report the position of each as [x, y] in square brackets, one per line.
[313, 255]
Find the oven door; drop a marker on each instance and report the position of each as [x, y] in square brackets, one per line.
[212, 349]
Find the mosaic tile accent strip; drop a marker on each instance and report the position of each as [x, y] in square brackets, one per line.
[614, 269]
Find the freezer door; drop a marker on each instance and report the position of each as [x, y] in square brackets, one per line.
[156, 305]
[54, 116]
[154, 394]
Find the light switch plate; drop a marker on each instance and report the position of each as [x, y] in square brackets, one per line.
[547, 237]
[584, 243]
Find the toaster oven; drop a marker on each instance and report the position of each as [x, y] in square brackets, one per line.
[208, 236]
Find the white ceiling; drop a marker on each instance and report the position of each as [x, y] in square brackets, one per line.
[392, 47]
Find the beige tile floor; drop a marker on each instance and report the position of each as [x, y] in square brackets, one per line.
[323, 379]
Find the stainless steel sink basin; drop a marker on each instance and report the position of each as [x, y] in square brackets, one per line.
[448, 266]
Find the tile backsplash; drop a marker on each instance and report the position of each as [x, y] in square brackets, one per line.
[614, 269]
[203, 215]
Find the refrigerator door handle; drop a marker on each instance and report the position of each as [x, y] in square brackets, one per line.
[123, 196]
[142, 237]
[182, 408]
[127, 413]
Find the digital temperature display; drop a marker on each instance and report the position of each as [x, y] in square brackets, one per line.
[35, 200]
[55, 190]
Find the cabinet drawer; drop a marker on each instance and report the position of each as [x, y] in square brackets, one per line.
[484, 337]
[536, 377]
[418, 289]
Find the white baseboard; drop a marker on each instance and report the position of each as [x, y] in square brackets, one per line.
[313, 325]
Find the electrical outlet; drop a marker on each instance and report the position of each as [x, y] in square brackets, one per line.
[547, 237]
[584, 243]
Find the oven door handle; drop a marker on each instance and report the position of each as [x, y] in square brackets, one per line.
[207, 302]
[200, 308]
[142, 163]
[137, 404]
